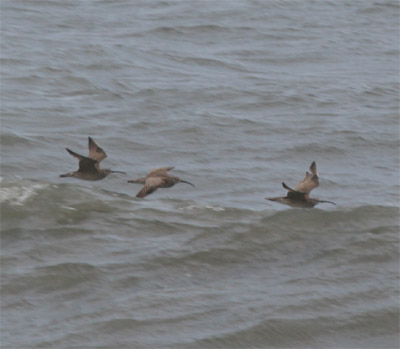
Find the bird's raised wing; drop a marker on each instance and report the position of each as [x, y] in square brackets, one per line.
[79, 157]
[160, 172]
[95, 152]
[150, 186]
[85, 164]
[310, 181]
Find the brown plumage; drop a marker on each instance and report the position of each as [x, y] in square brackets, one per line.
[89, 167]
[157, 178]
[300, 195]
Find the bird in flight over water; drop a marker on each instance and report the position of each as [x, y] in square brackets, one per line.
[157, 178]
[300, 195]
[89, 167]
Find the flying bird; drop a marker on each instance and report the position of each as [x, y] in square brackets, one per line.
[157, 178]
[300, 195]
[89, 167]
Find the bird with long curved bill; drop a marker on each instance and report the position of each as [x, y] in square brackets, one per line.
[157, 178]
[89, 166]
[300, 195]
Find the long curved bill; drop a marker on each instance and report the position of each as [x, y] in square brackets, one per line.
[187, 183]
[328, 202]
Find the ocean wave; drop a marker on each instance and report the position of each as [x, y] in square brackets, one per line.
[19, 195]
[58, 278]
[91, 197]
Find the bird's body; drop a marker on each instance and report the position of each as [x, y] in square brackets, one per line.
[157, 178]
[300, 195]
[89, 167]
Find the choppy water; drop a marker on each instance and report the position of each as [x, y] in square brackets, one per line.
[238, 96]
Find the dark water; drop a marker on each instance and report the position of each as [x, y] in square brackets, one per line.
[238, 96]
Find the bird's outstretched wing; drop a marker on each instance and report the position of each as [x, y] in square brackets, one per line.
[150, 186]
[95, 152]
[160, 172]
[85, 164]
[310, 181]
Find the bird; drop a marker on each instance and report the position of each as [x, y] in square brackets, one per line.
[89, 168]
[300, 195]
[157, 178]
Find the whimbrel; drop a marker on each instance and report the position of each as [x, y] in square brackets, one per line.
[157, 178]
[300, 196]
[89, 168]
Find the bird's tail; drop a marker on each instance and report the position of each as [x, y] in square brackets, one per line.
[69, 174]
[273, 199]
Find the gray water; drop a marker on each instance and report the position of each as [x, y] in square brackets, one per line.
[238, 96]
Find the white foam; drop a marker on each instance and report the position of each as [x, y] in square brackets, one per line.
[18, 195]
[193, 207]
[69, 208]
[216, 208]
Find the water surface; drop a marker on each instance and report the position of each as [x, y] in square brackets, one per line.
[238, 97]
